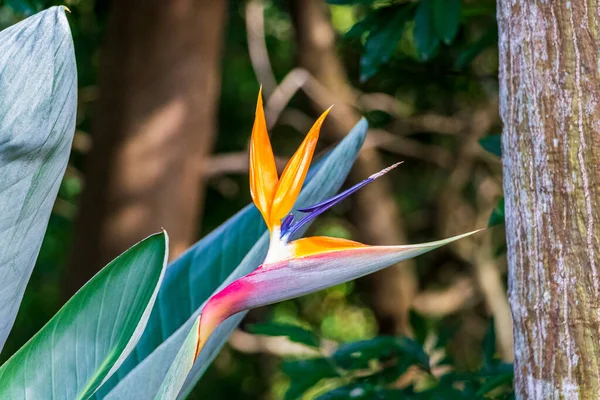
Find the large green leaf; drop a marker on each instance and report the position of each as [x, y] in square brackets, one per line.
[38, 99]
[143, 381]
[88, 339]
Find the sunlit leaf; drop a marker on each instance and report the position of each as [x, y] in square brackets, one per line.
[38, 99]
[91, 335]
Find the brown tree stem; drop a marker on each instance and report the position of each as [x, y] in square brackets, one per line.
[154, 125]
[550, 106]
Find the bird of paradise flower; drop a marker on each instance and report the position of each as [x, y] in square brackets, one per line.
[293, 268]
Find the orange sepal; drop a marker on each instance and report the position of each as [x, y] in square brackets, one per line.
[322, 244]
[263, 172]
[294, 174]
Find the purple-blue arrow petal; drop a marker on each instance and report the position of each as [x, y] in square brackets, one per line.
[317, 209]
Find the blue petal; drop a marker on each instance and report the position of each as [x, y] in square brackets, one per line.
[317, 209]
[286, 224]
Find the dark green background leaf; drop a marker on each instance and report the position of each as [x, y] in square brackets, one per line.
[304, 374]
[426, 39]
[446, 18]
[497, 216]
[350, 2]
[489, 346]
[294, 333]
[471, 51]
[383, 39]
[357, 355]
[492, 143]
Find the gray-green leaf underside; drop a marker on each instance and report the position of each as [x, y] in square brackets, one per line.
[38, 101]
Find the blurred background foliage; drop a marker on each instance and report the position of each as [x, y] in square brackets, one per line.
[424, 74]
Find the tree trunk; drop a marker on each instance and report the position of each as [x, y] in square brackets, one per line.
[380, 224]
[549, 90]
[155, 122]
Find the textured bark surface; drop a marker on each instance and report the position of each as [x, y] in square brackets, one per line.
[379, 219]
[154, 127]
[550, 92]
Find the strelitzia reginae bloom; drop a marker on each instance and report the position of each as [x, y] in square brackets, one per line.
[293, 268]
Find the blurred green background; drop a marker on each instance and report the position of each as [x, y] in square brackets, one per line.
[423, 73]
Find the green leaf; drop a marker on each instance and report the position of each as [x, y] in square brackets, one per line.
[350, 2]
[367, 390]
[447, 332]
[446, 19]
[357, 355]
[354, 391]
[472, 50]
[489, 346]
[426, 39]
[295, 333]
[419, 326]
[393, 394]
[175, 377]
[38, 101]
[497, 381]
[497, 216]
[215, 259]
[492, 143]
[362, 26]
[383, 39]
[304, 374]
[87, 340]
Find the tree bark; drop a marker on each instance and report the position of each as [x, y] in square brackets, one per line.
[155, 122]
[549, 90]
[379, 217]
